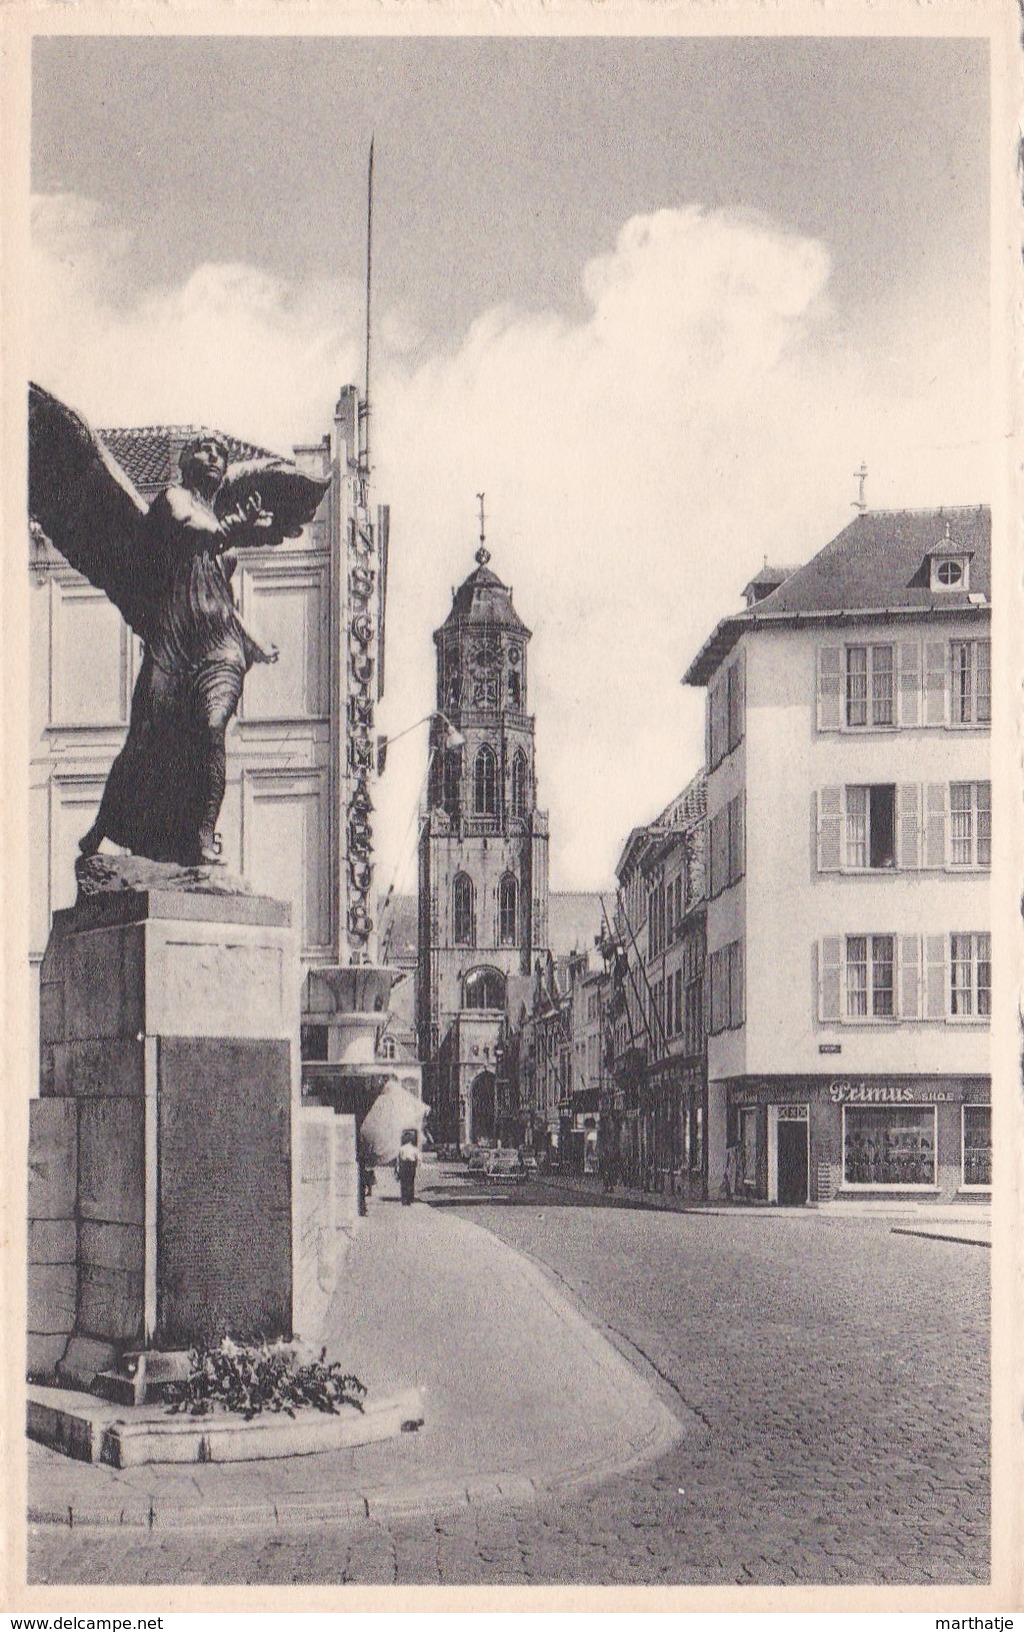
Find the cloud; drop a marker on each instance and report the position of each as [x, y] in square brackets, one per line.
[708, 408]
[233, 346]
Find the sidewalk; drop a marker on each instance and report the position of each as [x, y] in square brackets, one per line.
[949, 1221]
[522, 1396]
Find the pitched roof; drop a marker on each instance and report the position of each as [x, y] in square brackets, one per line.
[687, 810]
[689, 806]
[149, 454]
[484, 599]
[876, 565]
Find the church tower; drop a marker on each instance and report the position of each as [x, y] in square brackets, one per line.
[483, 863]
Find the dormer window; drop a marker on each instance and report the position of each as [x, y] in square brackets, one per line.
[950, 568]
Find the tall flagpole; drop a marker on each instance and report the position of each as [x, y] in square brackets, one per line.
[369, 286]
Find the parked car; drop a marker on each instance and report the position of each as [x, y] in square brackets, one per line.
[530, 1165]
[477, 1164]
[504, 1167]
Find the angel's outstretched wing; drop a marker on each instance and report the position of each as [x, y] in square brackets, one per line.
[87, 507]
[291, 497]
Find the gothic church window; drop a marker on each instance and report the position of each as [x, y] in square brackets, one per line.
[463, 914]
[450, 782]
[483, 989]
[485, 783]
[519, 784]
[508, 910]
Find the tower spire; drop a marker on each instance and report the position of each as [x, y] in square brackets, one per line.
[483, 554]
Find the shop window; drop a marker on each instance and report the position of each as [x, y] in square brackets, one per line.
[871, 826]
[970, 976]
[463, 910]
[892, 1146]
[977, 1171]
[696, 1137]
[970, 824]
[870, 686]
[971, 682]
[870, 972]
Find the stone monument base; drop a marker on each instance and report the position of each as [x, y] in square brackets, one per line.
[161, 1144]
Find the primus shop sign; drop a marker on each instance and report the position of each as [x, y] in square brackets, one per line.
[887, 1093]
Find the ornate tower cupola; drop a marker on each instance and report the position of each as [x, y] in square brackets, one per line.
[482, 691]
[483, 851]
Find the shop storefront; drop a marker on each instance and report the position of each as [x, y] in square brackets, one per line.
[673, 1113]
[794, 1140]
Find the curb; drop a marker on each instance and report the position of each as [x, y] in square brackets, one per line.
[649, 1433]
[936, 1235]
[88, 1430]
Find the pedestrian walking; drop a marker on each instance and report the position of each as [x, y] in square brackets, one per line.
[408, 1158]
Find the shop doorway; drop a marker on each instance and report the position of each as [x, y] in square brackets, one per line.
[793, 1164]
[481, 1099]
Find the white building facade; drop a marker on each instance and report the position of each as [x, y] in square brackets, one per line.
[849, 846]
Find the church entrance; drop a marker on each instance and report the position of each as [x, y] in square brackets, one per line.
[481, 1109]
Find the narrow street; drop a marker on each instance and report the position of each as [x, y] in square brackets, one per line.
[832, 1376]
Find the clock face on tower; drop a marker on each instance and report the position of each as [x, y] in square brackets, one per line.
[485, 654]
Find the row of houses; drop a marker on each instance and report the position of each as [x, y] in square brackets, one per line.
[790, 999]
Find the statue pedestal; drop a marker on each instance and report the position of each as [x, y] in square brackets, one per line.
[161, 1188]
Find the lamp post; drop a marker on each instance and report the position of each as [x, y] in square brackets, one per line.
[453, 737]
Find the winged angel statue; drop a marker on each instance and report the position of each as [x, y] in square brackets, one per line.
[167, 567]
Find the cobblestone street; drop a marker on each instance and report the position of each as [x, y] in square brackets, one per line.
[833, 1376]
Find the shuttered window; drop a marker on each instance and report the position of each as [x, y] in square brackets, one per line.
[870, 977]
[870, 686]
[865, 978]
[970, 682]
[875, 826]
[970, 976]
[865, 685]
[970, 824]
[728, 996]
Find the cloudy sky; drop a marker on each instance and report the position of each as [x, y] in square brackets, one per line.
[658, 298]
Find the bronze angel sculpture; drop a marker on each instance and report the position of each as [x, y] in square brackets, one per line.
[167, 567]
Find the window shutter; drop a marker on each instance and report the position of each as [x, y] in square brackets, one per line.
[910, 682]
[830, 691]
[830, 962]
[830, 829]
[908, 807]
[910, 977]
[935, 664]
[714, 969]
[936, 977]
[737, 699]
[935, 825]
